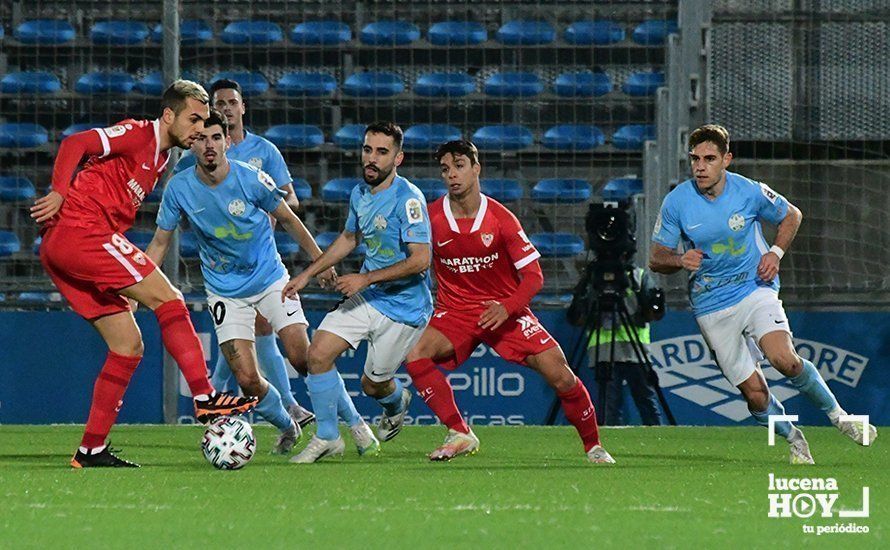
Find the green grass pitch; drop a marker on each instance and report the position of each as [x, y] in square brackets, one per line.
[527, 487]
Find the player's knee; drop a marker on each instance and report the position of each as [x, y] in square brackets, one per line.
[317, 360]
[787, 362]
[564, 380]
[299, 362]
[131, 348]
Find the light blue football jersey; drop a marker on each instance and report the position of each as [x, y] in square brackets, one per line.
[388, 221]
[231, 225]
[728, 231]
[256, 151]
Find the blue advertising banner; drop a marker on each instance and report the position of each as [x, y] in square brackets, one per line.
[51, 360]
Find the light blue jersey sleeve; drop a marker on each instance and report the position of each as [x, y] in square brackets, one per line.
[276, 167]
[771, 206]
[667, 225]
[187, 160]
[414, 221]
[352, 216]
[170, 211]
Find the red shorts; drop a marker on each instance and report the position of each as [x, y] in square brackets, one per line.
[517, 338]
[91, 268]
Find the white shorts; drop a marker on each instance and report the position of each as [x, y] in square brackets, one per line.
[235, 318]
[389, 342]
[734, 333]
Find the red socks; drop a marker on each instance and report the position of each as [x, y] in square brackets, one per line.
[579, 411]
[180, 339]
[437, 393]
[108, 393]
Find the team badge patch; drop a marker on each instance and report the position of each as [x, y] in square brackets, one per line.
[256, 162]
[414, 211]
[736, 222]
[770, 195]
[266, 180]
[487, 238]
[379, 222]
[236, 207]
[114, 131]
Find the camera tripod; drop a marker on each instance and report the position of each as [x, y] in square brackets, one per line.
[611, 302]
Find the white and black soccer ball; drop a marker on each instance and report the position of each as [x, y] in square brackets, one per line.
[228, 443]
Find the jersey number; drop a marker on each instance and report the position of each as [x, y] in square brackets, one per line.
[121, 244]
[219, 312]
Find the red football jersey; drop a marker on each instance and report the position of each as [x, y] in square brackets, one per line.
[477, 259]
[110, 188]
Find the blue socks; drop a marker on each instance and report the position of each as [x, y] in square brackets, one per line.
[325, 390]
[784, 427]
[810, 383]
[345, 406]
[274, 367]
[223, 378]
[392, 403]
[271, 409]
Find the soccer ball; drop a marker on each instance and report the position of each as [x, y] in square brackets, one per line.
[228, 443]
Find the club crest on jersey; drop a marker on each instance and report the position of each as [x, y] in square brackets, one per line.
[414, 210]
[736, 222]
[236, 207]
[256, 162]
[379, 222]
[487, 238]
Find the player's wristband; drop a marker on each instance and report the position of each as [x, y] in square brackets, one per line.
[777, 251]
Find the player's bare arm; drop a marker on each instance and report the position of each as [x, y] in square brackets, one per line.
[159, 245]
[666, 260]
[339, 249]
[418, 261]
[290, 197]
[298, 232]
[768, 267]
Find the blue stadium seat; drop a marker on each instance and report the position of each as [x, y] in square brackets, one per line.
[643, 83]
[309, 84]
[35, 248]
[503, 137]
[321, 33]
[350, 137]
[191, 31]
[16, 188]
[503, 190]
[373, 84]
[105, 82]
[561, 190]
[513, 84]
[457, 33]
[119, 33]
[582, 84]
[633, 136]
[429, 136]
[620, 189]
[302, 189]
[188, 244]
[140, 239]
[153, 82]
[22, 134]
[594, 33]
[285, 244]
[30, 82]
[557, 245]
[40, 297]
[80, 127]
[44, 31]
[653, 33]
[573, 137]
[325, 239]
[444, 85]
[526, 33]
[295, 136]
[390, 33]
[432, 188]
[252, 83]
[339, 189]
[252, 32]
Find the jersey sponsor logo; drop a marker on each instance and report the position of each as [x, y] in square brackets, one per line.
[379, 222]
[266, 180]
[545, 340]
[729, 247]
[770, 195]
[529, 325]
[115, 131]
[487, 239]
[137, 191]
[528, 247]
[237, 207]
[469, 264]
[256, 162]
[523, 236]
[414, 210]
[231, 231]
[443, 243]
[736, 222]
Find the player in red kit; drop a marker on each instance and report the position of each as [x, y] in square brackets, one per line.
[97, 269]
[487, 273]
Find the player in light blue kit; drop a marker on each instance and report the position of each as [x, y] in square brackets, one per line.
[227, 204]
[226, 97]
[388, 303]
[734, 283]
